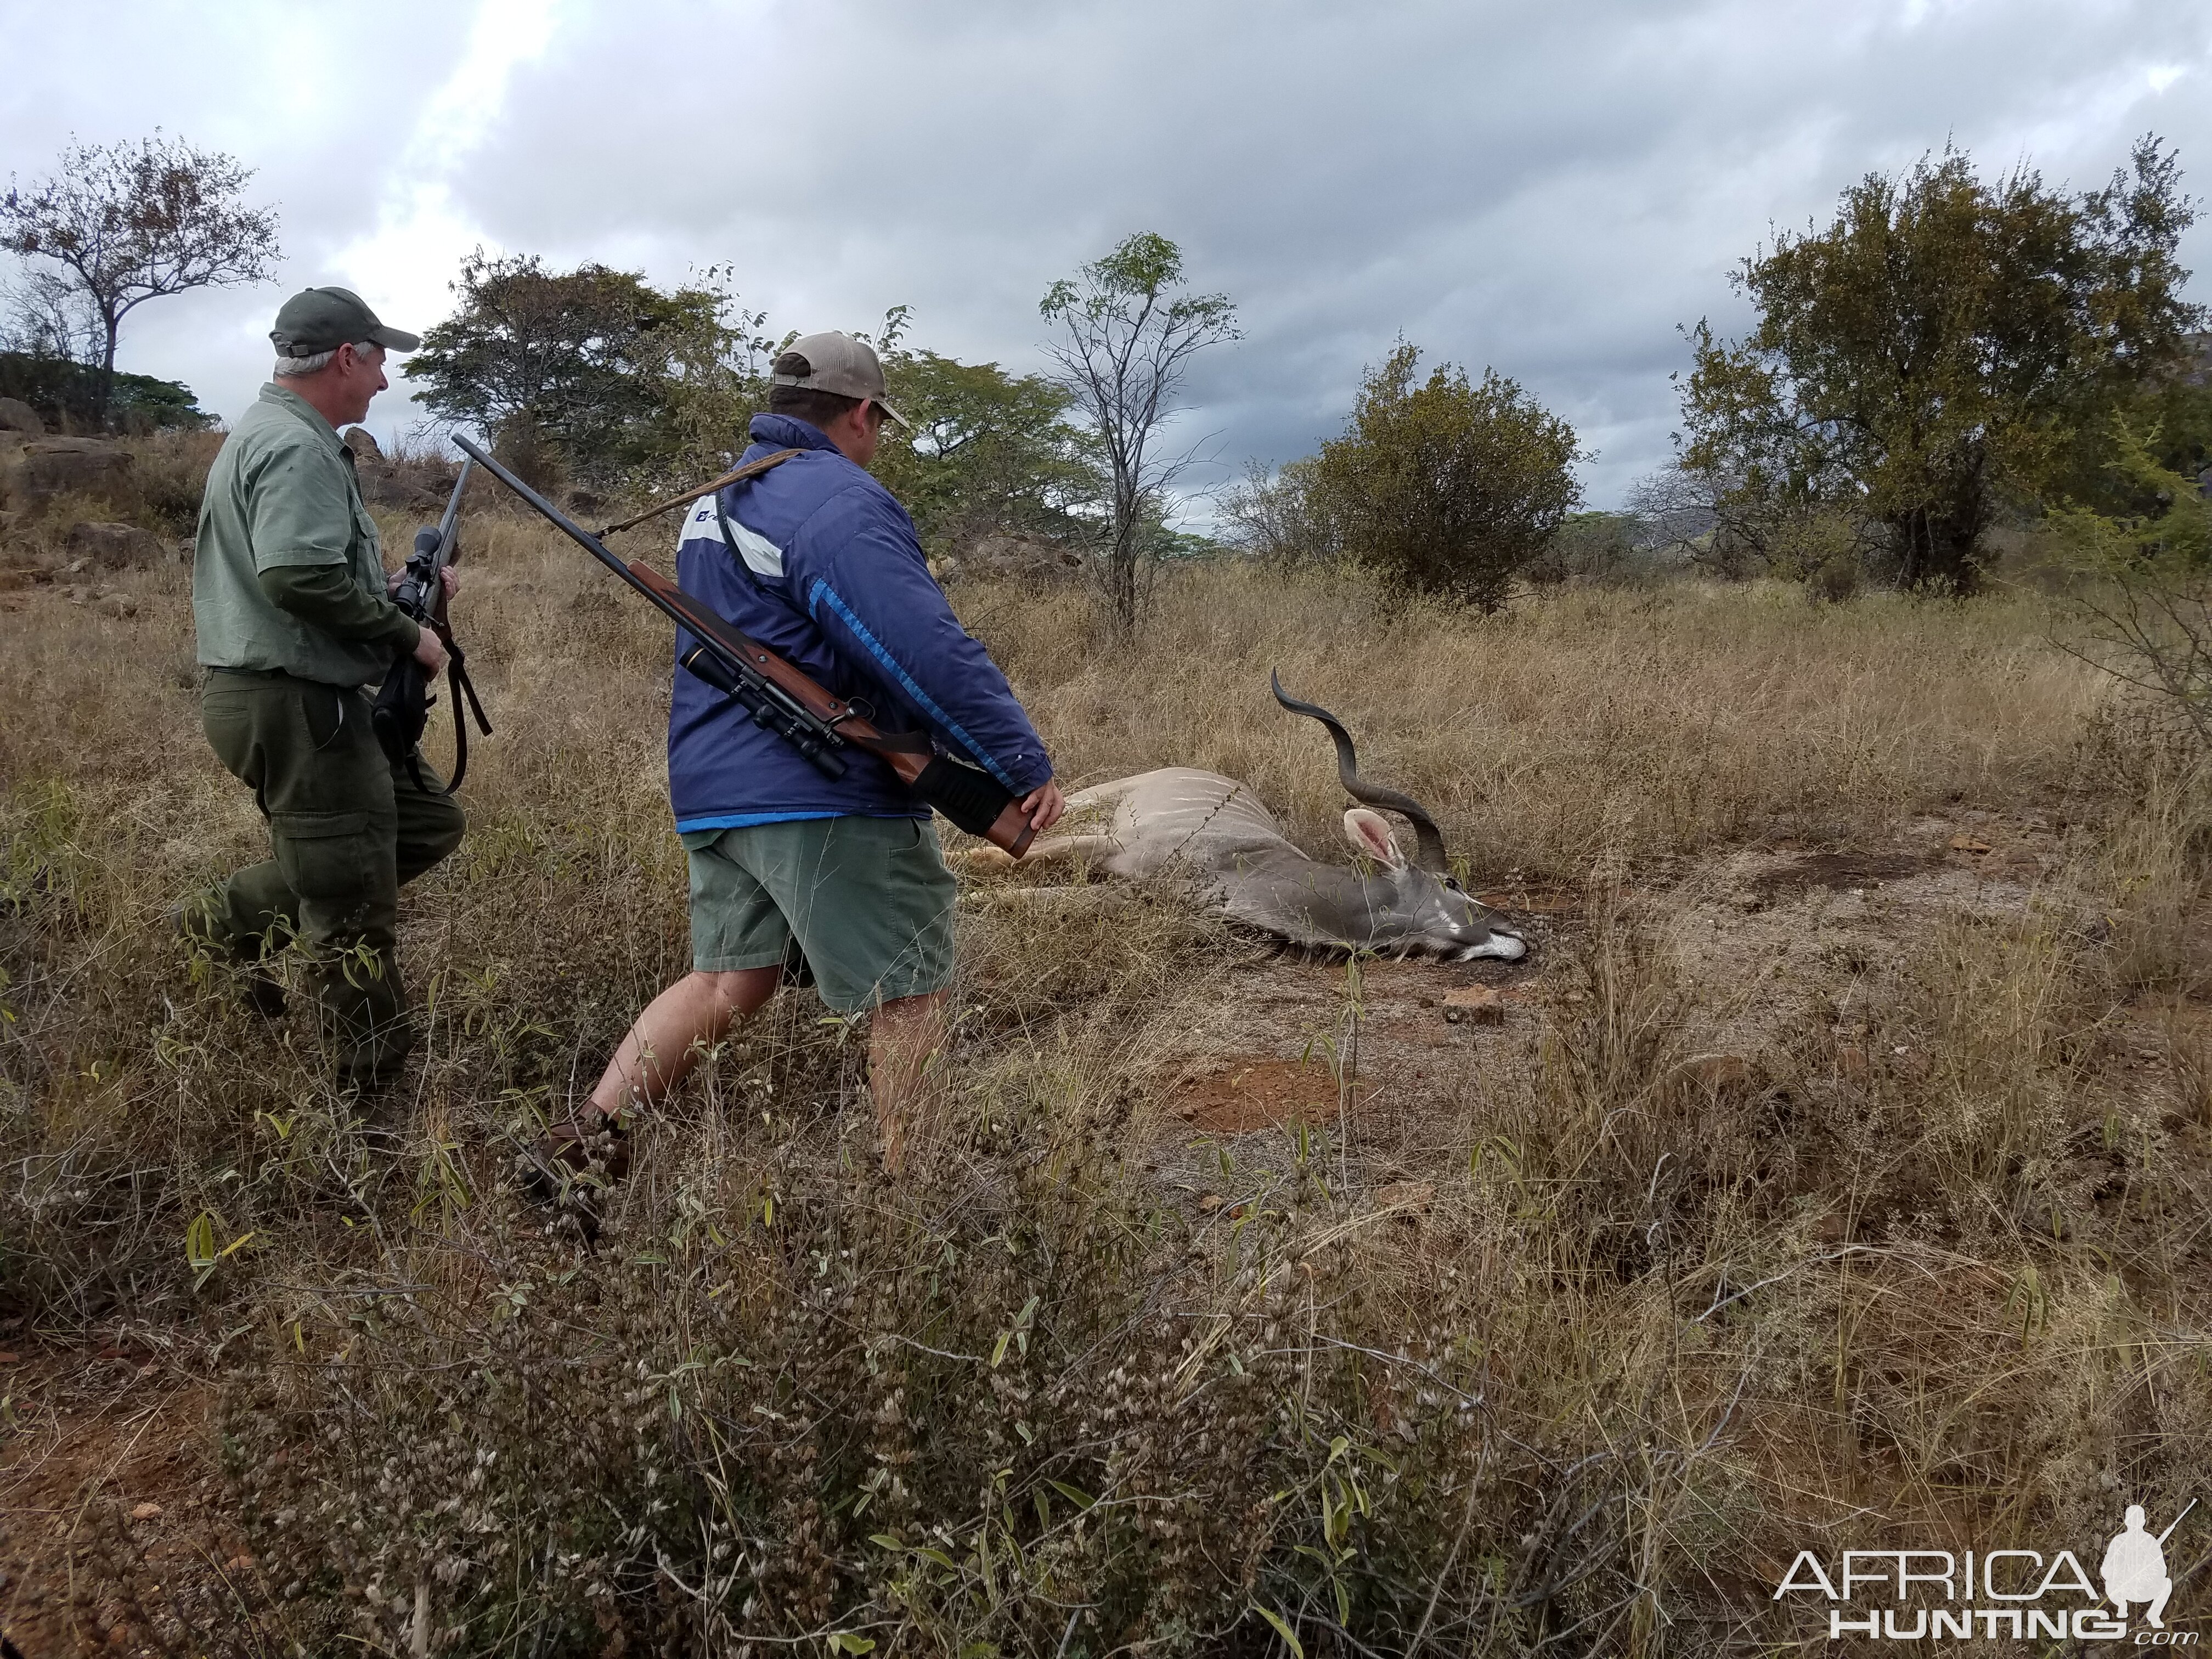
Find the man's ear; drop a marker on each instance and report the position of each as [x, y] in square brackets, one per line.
[1370, 833]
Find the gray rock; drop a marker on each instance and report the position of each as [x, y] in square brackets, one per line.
[380, 486]
[364, 447]
[43, 468]
[16, 416]
[115, 546]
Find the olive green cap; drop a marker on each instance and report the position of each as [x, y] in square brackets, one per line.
[324, 319]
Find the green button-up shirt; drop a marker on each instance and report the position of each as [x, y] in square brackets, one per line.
[283, 492]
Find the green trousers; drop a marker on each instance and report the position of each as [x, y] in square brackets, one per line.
[348, 829]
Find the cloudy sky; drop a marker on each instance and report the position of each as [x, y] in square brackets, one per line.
[1551, 189]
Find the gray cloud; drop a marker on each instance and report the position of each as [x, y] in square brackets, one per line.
[1552, 190]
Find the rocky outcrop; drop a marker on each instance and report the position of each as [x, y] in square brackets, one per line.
[383, 486]
[34, 472]
[114, 546]
[383, 482]
[16, 416]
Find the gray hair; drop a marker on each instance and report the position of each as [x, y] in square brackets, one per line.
[291, 368]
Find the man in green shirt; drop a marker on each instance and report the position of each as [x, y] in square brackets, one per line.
[293, 608]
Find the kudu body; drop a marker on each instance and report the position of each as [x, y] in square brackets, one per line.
[1214, 829]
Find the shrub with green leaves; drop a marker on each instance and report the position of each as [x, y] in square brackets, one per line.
[1453, 487]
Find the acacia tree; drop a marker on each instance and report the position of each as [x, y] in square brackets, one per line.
[1125, 338]
[1455, 487]
[122, 224]
[592, 372]
[1945, 341]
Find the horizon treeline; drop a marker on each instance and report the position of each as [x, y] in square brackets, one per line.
[1950, 357]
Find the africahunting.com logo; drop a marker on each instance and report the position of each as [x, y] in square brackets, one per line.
[2012, 1594]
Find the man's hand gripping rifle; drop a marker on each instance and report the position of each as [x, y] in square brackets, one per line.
[784, 699]
[402, 703]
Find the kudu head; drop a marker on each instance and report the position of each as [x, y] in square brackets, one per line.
[1426, 911]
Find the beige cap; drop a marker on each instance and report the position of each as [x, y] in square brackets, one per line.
[835, 363]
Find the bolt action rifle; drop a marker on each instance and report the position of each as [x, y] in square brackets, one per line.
[782, 698]
[403, 701]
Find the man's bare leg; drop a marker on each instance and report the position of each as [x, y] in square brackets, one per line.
[908, 1090]
[661, 1048]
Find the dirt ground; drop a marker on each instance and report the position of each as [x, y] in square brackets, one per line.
[1770, 934]
[1765, 934]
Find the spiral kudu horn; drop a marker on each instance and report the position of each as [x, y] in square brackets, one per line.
[1429, 843]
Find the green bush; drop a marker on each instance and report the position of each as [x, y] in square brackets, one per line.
[1455, 487]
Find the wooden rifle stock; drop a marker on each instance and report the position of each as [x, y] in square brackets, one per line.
[908, 754]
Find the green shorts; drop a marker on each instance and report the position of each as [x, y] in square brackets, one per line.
[869, 901]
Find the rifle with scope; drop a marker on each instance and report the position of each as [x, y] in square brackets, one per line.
[783, 699]
[402, 709]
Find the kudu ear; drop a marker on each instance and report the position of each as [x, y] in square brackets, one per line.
[1370, 833]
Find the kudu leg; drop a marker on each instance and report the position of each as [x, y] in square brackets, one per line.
[1055, 850]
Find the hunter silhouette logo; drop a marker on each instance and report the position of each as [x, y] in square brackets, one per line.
[2003, 1593]
[2135, 1566]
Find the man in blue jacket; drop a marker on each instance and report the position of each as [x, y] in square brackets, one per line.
[816, 561]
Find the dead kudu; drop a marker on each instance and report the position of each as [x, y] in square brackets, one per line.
[1214, 829]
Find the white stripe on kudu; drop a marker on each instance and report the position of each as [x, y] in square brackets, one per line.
[1215, 829]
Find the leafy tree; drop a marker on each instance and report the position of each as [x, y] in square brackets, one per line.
[991, 451]
[1456, 487]
[67, 393]
[593, 372]
[1946, 341]
[713, 380]
[1124, 335]
[119, 225]
[2147, 602]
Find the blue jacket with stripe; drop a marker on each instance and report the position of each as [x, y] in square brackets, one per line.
[828, 572]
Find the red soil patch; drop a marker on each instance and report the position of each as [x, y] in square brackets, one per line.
[1253, 1091]
[106, 1431]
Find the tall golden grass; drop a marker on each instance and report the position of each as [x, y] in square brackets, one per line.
[1922, 1265]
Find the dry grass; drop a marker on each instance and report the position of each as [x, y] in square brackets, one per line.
[1629, 724]
[1924, 1263]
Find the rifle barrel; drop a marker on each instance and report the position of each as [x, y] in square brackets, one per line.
[568, 528]
[449, 525]
[2178, 1520]
[814, 737]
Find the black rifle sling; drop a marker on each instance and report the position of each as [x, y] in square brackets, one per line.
[457, 672]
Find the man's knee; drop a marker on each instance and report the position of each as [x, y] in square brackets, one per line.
[448, 824]
[737, 987]
[430, 828]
